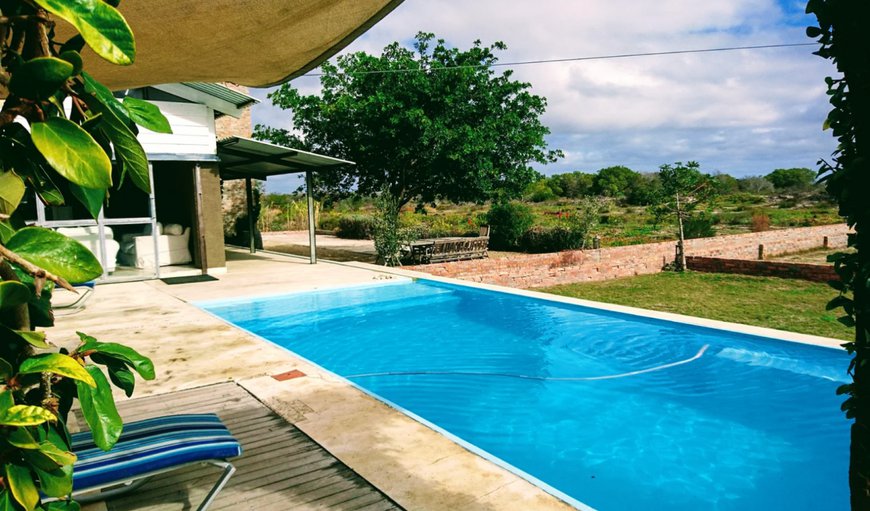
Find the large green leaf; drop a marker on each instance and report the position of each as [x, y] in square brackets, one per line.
[91, 198]
[56, 253]
[7, 401]
[57, 482]
[52, 456]
[11, 192]
[101, 25]
[40, 78]
[13, 293]
[7, 502]
[104, 96]
[25, 415]
[19, 437]
[20, 481]
[63, 505]
[122, 377]
[72, 152]
[98, 407]
[128, 150]
[147, 115]
[6, 231]
[125, 354]
[17, 149]
[35, 339]
[56, 363]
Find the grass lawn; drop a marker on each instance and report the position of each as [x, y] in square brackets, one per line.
[785, 304]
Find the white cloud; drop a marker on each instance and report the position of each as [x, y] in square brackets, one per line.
[742, 112]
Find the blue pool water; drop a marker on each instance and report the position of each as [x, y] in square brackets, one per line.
[684, 418]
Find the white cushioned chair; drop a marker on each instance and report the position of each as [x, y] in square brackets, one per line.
[138, 249]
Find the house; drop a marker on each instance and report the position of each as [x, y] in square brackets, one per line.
[177, 229]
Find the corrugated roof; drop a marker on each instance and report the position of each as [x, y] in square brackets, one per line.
[243, 157]
[224, 93]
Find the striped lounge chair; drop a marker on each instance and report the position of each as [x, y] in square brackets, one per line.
[151, 447]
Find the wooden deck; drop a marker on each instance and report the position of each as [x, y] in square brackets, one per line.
[281, 467]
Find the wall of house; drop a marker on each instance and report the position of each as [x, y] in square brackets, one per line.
[193, 131]
[781, 269]
[539, 270]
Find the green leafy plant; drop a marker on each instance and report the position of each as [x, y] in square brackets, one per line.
[842, 35]
[508, 222]
[387, 231]
[355, 227]
[683, 189]
[73, 126]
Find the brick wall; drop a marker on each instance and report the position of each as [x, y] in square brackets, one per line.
[537, 270]
[781, 269]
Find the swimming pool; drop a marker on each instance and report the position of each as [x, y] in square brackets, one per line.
[614, 410]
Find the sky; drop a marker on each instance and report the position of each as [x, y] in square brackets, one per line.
[743, 112]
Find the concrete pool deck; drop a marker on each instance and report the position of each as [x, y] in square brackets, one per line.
[416, 466]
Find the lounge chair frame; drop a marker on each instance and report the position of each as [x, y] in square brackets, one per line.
[121, 487]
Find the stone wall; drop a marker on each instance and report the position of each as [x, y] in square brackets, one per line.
[781, 269]
[538, 270]
[228, 126]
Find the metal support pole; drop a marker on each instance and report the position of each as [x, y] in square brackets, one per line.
[309, 191]
[249, 194]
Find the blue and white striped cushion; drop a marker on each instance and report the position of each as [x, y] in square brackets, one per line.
[150, 445]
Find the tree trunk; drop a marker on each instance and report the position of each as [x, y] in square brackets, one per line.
[681, 242]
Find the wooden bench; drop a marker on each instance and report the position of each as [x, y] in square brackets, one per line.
[439, 250]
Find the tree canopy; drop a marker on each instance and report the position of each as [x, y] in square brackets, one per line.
[422, 124]
[792, 179]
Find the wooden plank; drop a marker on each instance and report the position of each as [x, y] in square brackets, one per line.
[281, 467]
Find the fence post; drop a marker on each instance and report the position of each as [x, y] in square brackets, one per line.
[825, 242]
[760, 252]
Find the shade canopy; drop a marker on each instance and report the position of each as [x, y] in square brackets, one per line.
[249, 42]
[246, 158]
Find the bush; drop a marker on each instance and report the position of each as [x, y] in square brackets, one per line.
[355, 227]
[700, 226]
[508, 222]
[759, 222]
[551, 239]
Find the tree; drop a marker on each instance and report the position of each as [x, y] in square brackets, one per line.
[755, 184]
[683, 189]
[432, 122]
[798, 179]
[573, 184]
[614, 181]
[842, 36]
[39, 381]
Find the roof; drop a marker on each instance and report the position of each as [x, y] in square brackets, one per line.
[221, 98]
[243, 157]
[257, 43]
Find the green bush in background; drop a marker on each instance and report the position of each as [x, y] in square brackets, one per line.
[508, 222]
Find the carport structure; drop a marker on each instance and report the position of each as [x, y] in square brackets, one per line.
[244, 158]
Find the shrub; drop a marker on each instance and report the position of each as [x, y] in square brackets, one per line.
[355, 227]
[551, 239]
[759, 222]
[700, 226]
[389, 236]
[508, 222]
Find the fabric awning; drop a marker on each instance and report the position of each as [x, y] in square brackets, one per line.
[244, 157]
[249, 42]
